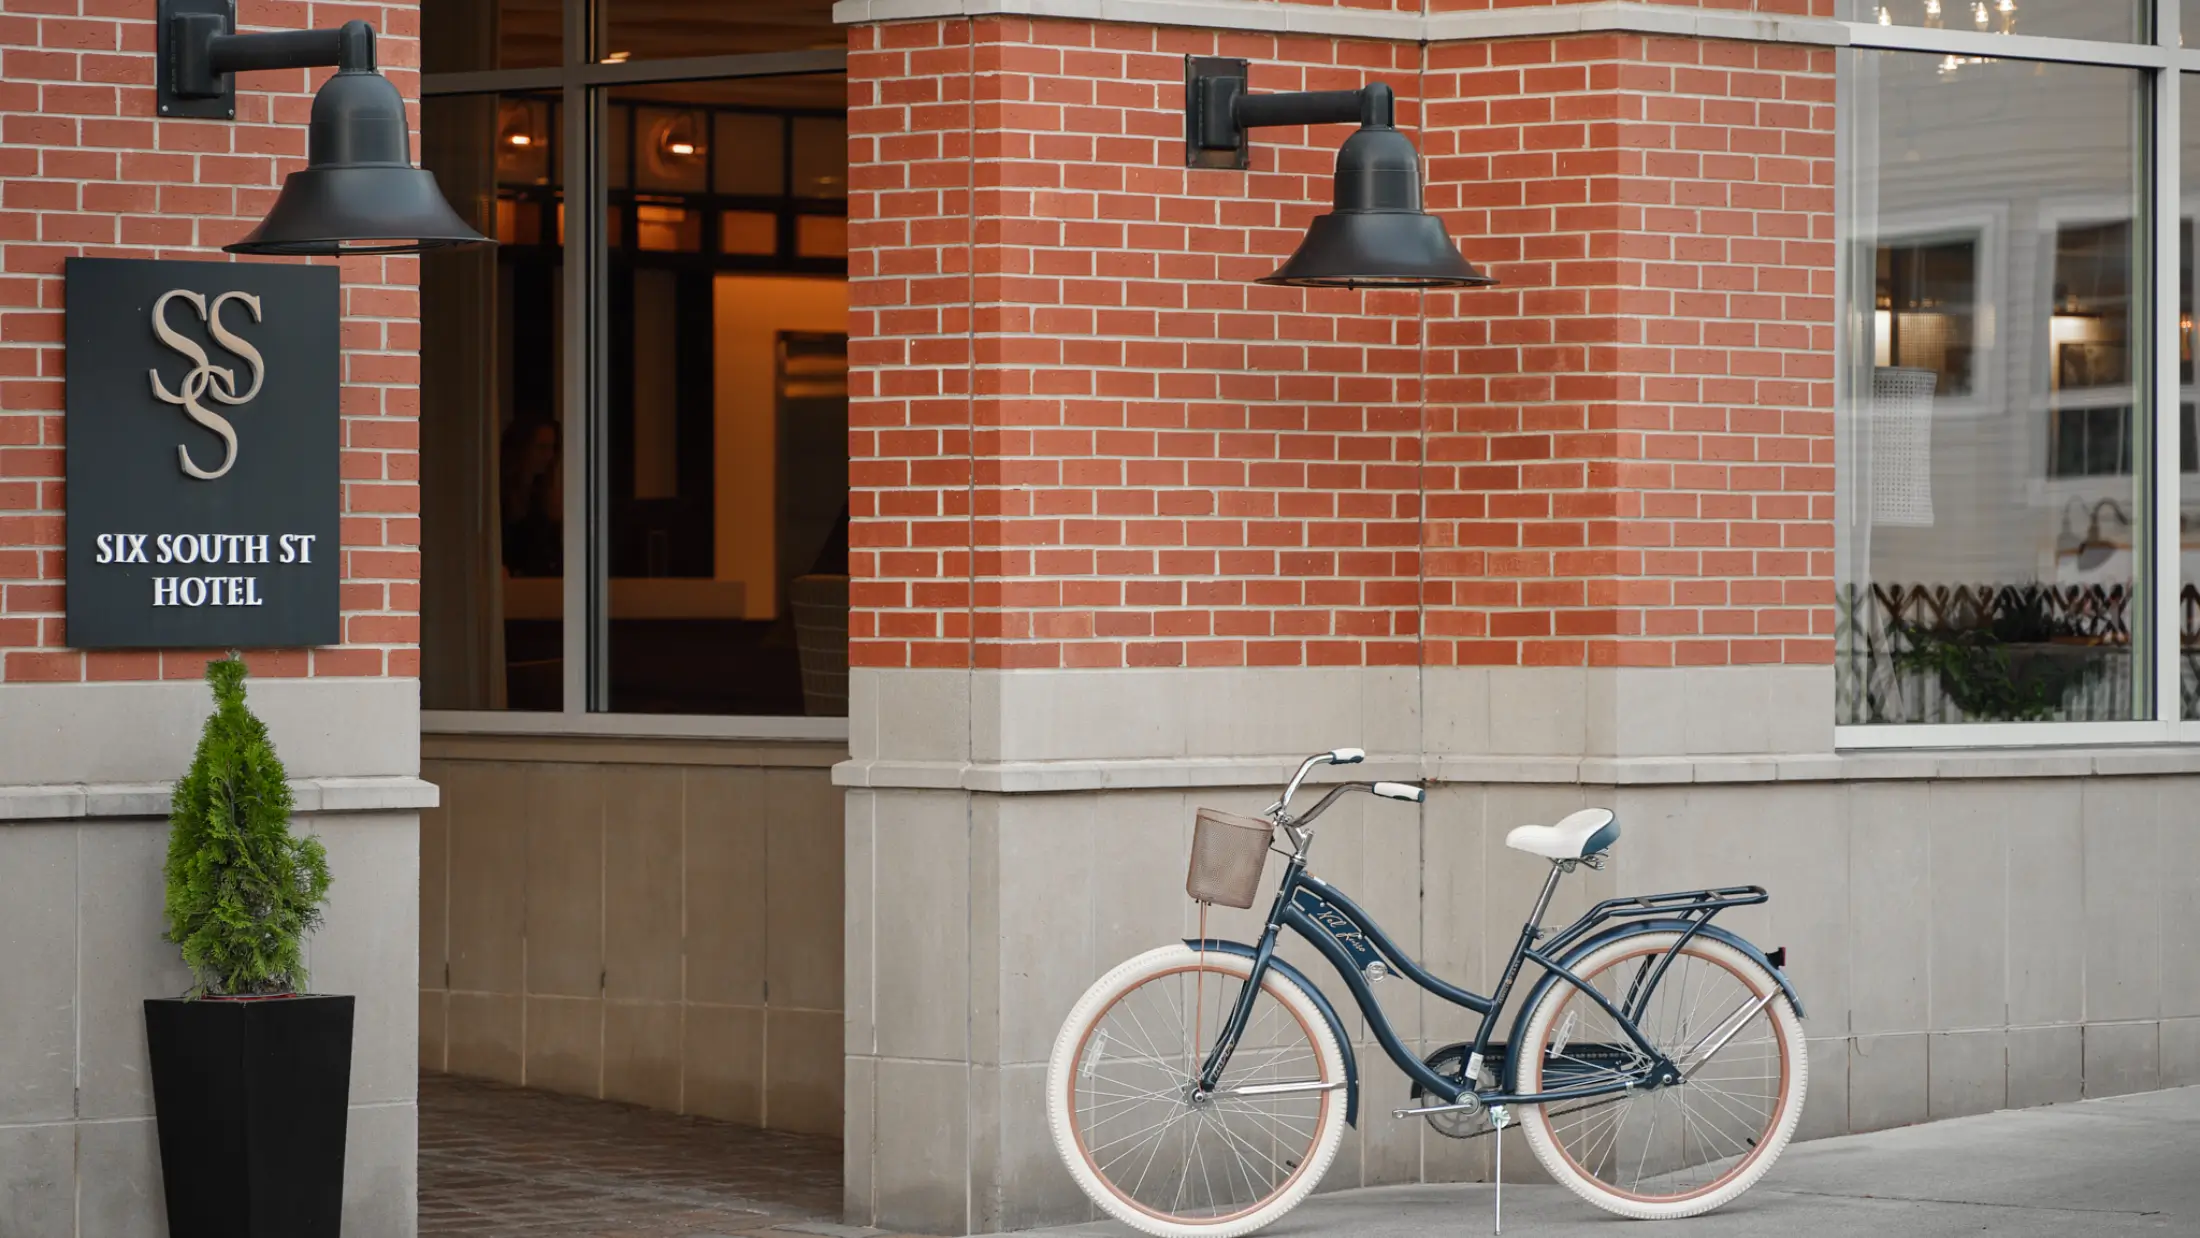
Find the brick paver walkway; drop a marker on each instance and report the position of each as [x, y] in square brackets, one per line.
[502, 1162]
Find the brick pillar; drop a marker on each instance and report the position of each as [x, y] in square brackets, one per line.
[92, 173]
[911, 142]
[1132, 532]
[90, 741]
[1631, 442]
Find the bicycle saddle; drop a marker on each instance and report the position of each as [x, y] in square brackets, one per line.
[1581, 834]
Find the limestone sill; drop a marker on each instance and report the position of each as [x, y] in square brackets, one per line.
[81, 801]
[1014, 777]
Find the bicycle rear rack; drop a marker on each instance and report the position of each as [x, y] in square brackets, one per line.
[1696, 906]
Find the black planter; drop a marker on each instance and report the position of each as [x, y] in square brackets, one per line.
[251, 1098]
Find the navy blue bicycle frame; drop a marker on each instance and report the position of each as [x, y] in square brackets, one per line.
[1351, 940]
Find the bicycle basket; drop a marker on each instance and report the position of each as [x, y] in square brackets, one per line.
[1228, 853]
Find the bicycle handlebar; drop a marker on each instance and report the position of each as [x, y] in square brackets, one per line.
[1341, 756]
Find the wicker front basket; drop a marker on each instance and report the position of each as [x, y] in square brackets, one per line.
[1228, 853]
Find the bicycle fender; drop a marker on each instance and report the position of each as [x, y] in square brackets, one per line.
[1610, 935]
[1321, 1003]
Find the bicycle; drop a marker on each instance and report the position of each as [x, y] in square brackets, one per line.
[1201, 1089]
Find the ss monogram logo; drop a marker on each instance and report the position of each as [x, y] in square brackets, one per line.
[207, 379]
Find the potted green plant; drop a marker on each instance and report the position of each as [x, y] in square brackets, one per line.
[251, 1076]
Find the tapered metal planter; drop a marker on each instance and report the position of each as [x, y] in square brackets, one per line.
[251, 1098]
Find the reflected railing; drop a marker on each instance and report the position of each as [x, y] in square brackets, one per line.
[2032, 652]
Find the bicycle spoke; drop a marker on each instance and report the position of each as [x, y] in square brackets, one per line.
[1162, 1125]
[1690, 1135]
[1141, 1131]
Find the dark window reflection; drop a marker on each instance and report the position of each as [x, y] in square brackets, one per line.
[725, 429]
[492, 469]
[1928, 309]
[460, 36]
[728, 418]
[662, 29]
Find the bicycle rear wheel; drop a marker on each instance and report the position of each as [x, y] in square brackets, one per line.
[1675, 1150]
[1122, 1102]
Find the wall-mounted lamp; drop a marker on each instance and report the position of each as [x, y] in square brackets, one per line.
[359, 192]
[2093, 549]
[1378, 236]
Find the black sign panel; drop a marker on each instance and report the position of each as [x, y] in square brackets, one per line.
[203, 443]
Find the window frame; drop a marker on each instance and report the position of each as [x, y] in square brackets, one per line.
[582, 81]
[2162, 63]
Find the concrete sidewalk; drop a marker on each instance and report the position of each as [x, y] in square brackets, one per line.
[2094, 1169]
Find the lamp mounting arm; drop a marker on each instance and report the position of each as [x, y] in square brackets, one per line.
[200, 55]
[1219, 110]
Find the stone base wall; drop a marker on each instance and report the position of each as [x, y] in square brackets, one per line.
[651, 921]
[1969, 931]
[85, 773]
[80, 909]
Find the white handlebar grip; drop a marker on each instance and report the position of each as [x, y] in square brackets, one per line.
[1401, 791]
[1347, 756]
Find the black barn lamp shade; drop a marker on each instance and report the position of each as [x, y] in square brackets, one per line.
[1378, 236]
[359, 192]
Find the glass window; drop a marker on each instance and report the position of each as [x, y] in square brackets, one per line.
[458, 36]
[661, 29]
[491, 428]
[754, 164]
[821, 157]
[723, 429]
[727, 426]
[2119, 21]
[1990, 424]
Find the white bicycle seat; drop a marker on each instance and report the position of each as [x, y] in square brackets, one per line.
[1581, 834]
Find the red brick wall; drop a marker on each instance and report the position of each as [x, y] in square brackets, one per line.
[87, 169]
[1631, 442]
[1137, 456]
[1084, 438]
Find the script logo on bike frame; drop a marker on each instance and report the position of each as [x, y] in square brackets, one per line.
[1342, 928]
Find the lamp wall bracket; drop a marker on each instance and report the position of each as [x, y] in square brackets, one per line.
[200, 55]
[1219, 112]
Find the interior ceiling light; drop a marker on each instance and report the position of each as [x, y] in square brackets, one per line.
[1377, 235]
[359, 192]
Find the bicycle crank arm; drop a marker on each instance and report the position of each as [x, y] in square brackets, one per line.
[1279, 1089]
[1468, 1105]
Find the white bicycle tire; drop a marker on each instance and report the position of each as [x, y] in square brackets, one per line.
[1069, 1044]
[1535, 1120]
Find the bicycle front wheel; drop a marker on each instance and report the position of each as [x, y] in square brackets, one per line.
[1139, 1138]
[1678, 1149]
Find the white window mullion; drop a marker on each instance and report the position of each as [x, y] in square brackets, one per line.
[2165, 540]
[2011, 46]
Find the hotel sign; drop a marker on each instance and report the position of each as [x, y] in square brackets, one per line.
[203, 443]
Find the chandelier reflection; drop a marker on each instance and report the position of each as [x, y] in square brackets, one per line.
[1987, 16]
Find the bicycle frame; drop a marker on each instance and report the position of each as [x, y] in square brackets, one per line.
[1354, 944]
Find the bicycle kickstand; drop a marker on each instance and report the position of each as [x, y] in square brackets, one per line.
[1500, 1118]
